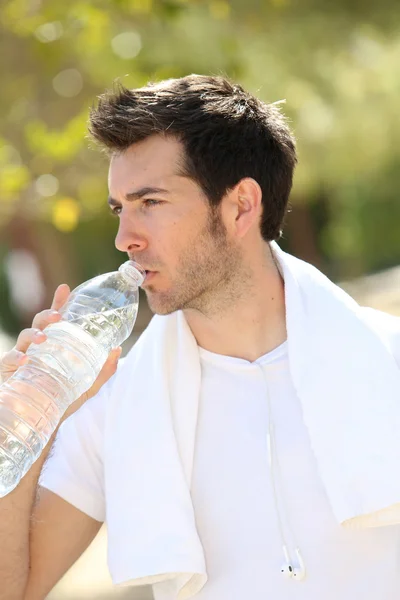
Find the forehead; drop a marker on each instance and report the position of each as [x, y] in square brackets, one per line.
[152, 160]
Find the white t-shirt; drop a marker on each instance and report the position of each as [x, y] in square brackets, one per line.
[232, 492]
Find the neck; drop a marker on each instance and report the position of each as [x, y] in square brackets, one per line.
[253, 325]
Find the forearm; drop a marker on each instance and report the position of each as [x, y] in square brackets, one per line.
[15, 513]
[15, 521]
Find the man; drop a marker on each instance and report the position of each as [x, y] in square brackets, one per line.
[239, 485]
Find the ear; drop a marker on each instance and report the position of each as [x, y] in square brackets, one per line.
[245, 201]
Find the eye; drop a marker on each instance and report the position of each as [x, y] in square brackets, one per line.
[149, 202]
[115, 211]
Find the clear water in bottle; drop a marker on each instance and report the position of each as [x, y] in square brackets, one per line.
[98, 316]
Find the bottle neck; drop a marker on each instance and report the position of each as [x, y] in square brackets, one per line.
[132, 272]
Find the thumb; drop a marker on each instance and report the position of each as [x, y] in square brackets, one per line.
[108, 369]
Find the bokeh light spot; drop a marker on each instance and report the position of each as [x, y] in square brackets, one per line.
[68, 83]
[49, 32]
[127, 44]
[47, 185]
[65, 215]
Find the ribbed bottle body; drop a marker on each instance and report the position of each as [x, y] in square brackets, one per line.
[98, 317]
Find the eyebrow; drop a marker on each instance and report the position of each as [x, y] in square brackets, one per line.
[137, 194]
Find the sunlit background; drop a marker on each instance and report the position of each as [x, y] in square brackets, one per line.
[335, 63]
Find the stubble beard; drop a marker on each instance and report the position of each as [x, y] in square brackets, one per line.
[210, 274]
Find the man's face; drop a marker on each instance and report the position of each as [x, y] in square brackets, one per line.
[169, 228]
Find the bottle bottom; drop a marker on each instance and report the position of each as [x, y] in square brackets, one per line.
[10, 474]
[16, 457]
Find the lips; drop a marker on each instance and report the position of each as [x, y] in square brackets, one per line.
[149, 275]
[149, 272]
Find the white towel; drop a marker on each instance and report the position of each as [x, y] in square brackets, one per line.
[349, 387]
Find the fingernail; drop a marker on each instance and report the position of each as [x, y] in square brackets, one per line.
[54, 313]
[39, 334]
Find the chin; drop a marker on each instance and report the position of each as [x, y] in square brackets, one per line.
[162, 310]
[162, 306]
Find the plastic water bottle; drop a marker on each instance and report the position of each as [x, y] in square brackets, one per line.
[98, 316]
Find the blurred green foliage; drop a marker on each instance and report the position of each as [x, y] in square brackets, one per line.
[335, 62]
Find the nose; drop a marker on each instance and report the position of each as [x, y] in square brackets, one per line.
[127, 240]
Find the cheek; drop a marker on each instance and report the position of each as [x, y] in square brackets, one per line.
[174, 248]
[174, 236]
[168, 236]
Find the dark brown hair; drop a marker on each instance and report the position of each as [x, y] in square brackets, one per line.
[227, 134]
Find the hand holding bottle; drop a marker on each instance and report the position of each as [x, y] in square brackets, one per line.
[16, 357]
[69, 353]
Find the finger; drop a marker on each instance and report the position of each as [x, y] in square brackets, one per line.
[28, 337]
[60, 296]
[12, 360]
[45, 317]
[110, 366]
